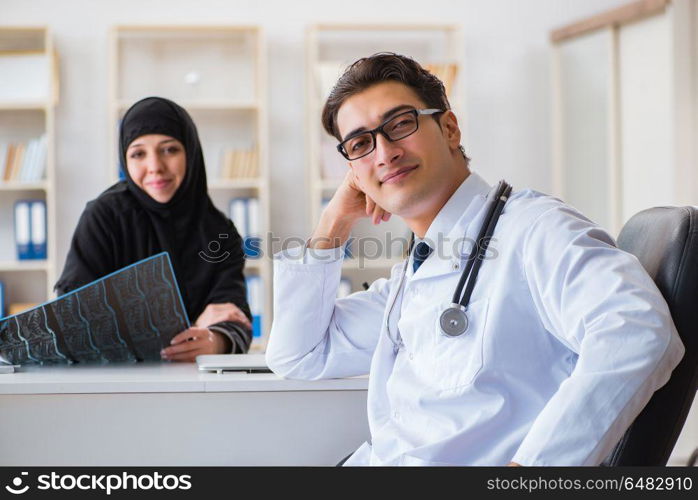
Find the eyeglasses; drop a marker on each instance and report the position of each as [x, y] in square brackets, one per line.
[396, 128]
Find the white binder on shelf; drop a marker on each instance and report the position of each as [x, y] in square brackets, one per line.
[244, 212]
[238, 214]
[38, 229]
[23, 229]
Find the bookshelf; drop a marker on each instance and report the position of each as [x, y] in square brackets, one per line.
[330, 48]
[218, 74]
[28, 97]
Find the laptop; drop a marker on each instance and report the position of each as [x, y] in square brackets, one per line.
[219, 363]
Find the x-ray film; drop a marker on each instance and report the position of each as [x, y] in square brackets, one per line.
[127, 316]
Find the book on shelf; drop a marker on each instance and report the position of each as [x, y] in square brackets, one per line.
[445, 72]
[255, 299]
[23, 161]
[244, 212]
[30, 229]
[19, 307]
[240, 164]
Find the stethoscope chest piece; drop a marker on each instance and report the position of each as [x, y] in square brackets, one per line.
[454, 321]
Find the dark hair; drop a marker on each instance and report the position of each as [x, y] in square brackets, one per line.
[378, 68]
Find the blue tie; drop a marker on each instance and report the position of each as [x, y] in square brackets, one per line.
[421, 252]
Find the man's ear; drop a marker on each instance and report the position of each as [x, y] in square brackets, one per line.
[451, 130]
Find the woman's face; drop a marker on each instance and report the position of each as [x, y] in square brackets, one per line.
[157, 164]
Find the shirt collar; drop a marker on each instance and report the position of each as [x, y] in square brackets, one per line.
[449, 226]
[473, 189]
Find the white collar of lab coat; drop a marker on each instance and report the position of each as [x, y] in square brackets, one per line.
[447, 232]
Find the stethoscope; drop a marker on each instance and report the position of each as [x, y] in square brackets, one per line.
[454, 319]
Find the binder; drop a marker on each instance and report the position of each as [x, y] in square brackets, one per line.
[244, 212]
[23, 229]
[30, 229]
[38, 229]
[256, 303]
[2, 300]
[253, 242]
[344, 288]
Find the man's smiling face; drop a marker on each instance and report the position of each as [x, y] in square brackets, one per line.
[406, 176]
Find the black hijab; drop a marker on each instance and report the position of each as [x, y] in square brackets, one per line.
[124, 224]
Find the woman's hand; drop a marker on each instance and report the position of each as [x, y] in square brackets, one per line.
[217, 313]
[189, 344]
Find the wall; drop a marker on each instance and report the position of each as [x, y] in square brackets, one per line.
[507, 88]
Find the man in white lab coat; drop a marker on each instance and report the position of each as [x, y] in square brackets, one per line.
[567, 336]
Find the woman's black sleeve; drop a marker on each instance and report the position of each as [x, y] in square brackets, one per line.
[240, 337]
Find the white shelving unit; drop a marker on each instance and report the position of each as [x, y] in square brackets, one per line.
[28, 97]
[330, 48]
[624, 120]
[218, 74]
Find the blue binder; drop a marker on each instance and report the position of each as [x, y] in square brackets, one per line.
[30, 229]
[244, 212]
[256, 302]
[38, 229]
[2, 300]
[22, 214]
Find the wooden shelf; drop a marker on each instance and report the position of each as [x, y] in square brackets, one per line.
[24, 265]
[254, 264]
[201, 105]
[24, 105]
[179, 31]
[24, 186]
[222, 184]
[360, 264]
[385, 27]
[328, 184]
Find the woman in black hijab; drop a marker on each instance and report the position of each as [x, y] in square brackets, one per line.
[163, 205]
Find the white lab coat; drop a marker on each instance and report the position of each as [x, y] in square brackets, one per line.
[568, 339]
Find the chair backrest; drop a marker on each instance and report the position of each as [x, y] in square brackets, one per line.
[665, 240]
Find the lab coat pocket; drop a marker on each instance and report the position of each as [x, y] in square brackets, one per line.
[458, 360]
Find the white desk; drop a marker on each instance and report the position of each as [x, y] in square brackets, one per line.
[170, 414]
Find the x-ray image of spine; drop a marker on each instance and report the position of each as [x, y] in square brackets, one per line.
[69, 318]
[103, 324]
[41, 339]
[138, 320]
[127, 316]
[161, 297]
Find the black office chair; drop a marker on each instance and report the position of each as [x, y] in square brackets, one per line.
[665, 240]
